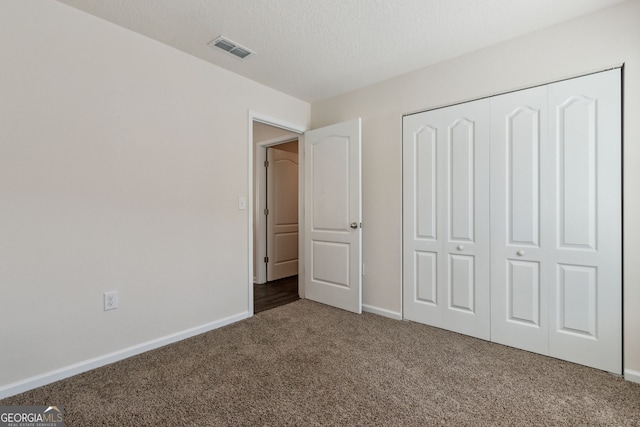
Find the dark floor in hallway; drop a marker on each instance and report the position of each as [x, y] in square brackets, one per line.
[274, 294]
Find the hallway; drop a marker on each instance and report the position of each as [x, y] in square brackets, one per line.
[275, 294]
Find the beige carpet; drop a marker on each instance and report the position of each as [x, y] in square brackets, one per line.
[307, 364]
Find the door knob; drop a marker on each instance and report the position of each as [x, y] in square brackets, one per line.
[520, 253]
[354, 225]
[460, 247]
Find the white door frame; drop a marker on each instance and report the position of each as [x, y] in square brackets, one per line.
[260, 199]
[294, 128]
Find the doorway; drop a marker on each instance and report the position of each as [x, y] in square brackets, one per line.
[275, 293]
[329, 206]
[276, 207]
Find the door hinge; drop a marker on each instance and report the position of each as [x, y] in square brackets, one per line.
[266, 211]
[266, 163]
[266, 259]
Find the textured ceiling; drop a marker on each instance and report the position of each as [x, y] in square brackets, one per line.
[316, 49]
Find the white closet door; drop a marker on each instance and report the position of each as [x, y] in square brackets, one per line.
[556, 220]
[556, 217]
[521, 219]
[422, 237]
[446, 218]
[586, 297]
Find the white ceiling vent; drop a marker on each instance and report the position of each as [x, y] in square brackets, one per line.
[231, 47]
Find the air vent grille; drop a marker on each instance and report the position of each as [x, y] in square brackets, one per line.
[231, 47]
[240, 53]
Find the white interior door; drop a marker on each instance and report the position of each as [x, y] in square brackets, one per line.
[586, 298]
[446, 218]
[522, 163]
[333, 235]
[282, 214]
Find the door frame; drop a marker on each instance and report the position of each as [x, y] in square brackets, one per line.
[252, 212]
[260, 199]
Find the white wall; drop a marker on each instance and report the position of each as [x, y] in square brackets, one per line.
[604, 39]
[262, 133]
[121, 164]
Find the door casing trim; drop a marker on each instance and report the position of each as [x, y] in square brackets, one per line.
[251, 212]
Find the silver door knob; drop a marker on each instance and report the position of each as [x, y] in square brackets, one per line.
[520, 253]
[460, 247]
[354, 225]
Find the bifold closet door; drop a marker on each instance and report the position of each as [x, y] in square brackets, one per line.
[446, 218]
[556, 220]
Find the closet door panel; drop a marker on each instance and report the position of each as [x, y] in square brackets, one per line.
[425, 166]
[522, 139]
[520, 268]
[576, 134]
[426, 280]
[586, 297]
[462, 283]
[461, 141]
[421, 234]
[465, 140]
[523, 293]
[576, 300]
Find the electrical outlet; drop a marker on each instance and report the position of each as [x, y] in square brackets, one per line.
[242, 203]
[110, 300]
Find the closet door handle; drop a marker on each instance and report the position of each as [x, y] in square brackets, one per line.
[520, 253]
[459, 247]
[354, 225]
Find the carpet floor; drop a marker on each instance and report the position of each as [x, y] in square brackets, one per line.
[306, 364]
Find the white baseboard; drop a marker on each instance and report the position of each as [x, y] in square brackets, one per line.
[87, 365]
[633, 376]
[381, 312]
